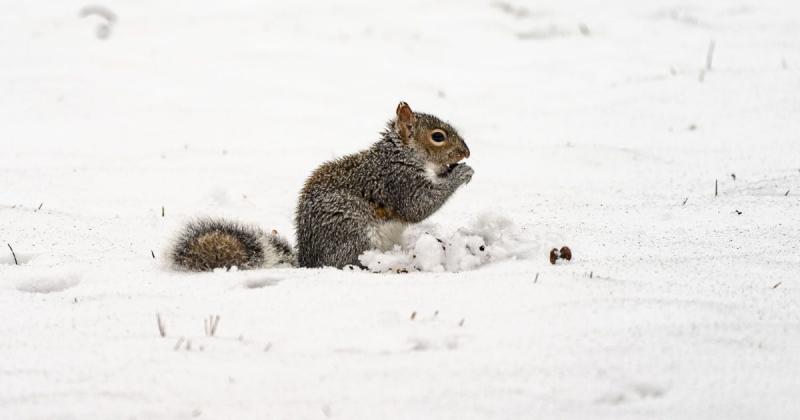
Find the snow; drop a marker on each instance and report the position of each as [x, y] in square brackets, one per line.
[46, 280]
[429, 247]
[593, 125]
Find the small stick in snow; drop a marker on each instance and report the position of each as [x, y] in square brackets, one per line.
[210, 325]
[710, 55]
[162, 211]
[178, 344]
[733, 176]
[153, 254]
[786, 194]
[716, 188]
[162, 329]
[40, 206]
[13, 254]
[536, 279]
[413, 315]
[461, 323]
[684, 201]
[777, 284]
[591, 274]
[214, 324]
[189, 345]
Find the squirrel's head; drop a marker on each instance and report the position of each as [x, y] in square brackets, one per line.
[434, 140]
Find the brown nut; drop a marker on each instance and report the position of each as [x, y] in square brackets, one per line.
[566, 253]
[554, 255]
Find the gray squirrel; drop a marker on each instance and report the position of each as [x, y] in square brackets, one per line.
[347, 206]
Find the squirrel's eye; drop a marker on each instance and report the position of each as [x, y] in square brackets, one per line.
[438, 137]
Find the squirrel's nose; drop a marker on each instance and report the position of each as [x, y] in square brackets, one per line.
[466, 151]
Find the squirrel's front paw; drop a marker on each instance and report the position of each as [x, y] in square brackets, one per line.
[463, 173]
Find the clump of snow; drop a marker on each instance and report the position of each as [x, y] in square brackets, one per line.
[46, 279]
[432, 248]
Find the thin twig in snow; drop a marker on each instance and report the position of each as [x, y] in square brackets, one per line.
[210, 325]
[710, 55]
[13, 254]
[178, 344]
[162, 329]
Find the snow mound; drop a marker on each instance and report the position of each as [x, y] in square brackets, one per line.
[488, 239]
[46, 280]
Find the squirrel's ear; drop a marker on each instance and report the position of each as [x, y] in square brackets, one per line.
[405, 122]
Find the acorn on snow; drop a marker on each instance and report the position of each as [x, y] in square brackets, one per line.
[564, 254]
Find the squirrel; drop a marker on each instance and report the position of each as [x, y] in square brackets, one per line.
[347, 206]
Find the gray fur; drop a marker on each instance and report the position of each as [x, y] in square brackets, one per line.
[347, 204]
[335, 210]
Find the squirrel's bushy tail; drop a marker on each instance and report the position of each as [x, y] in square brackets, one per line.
[208, 243]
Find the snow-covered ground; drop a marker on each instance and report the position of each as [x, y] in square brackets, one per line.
[591, 124]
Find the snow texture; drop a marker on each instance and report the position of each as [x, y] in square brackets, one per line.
[603, 126]
[46, 280]
[428, 247]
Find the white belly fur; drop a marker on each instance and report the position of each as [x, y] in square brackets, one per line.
[386, 235]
